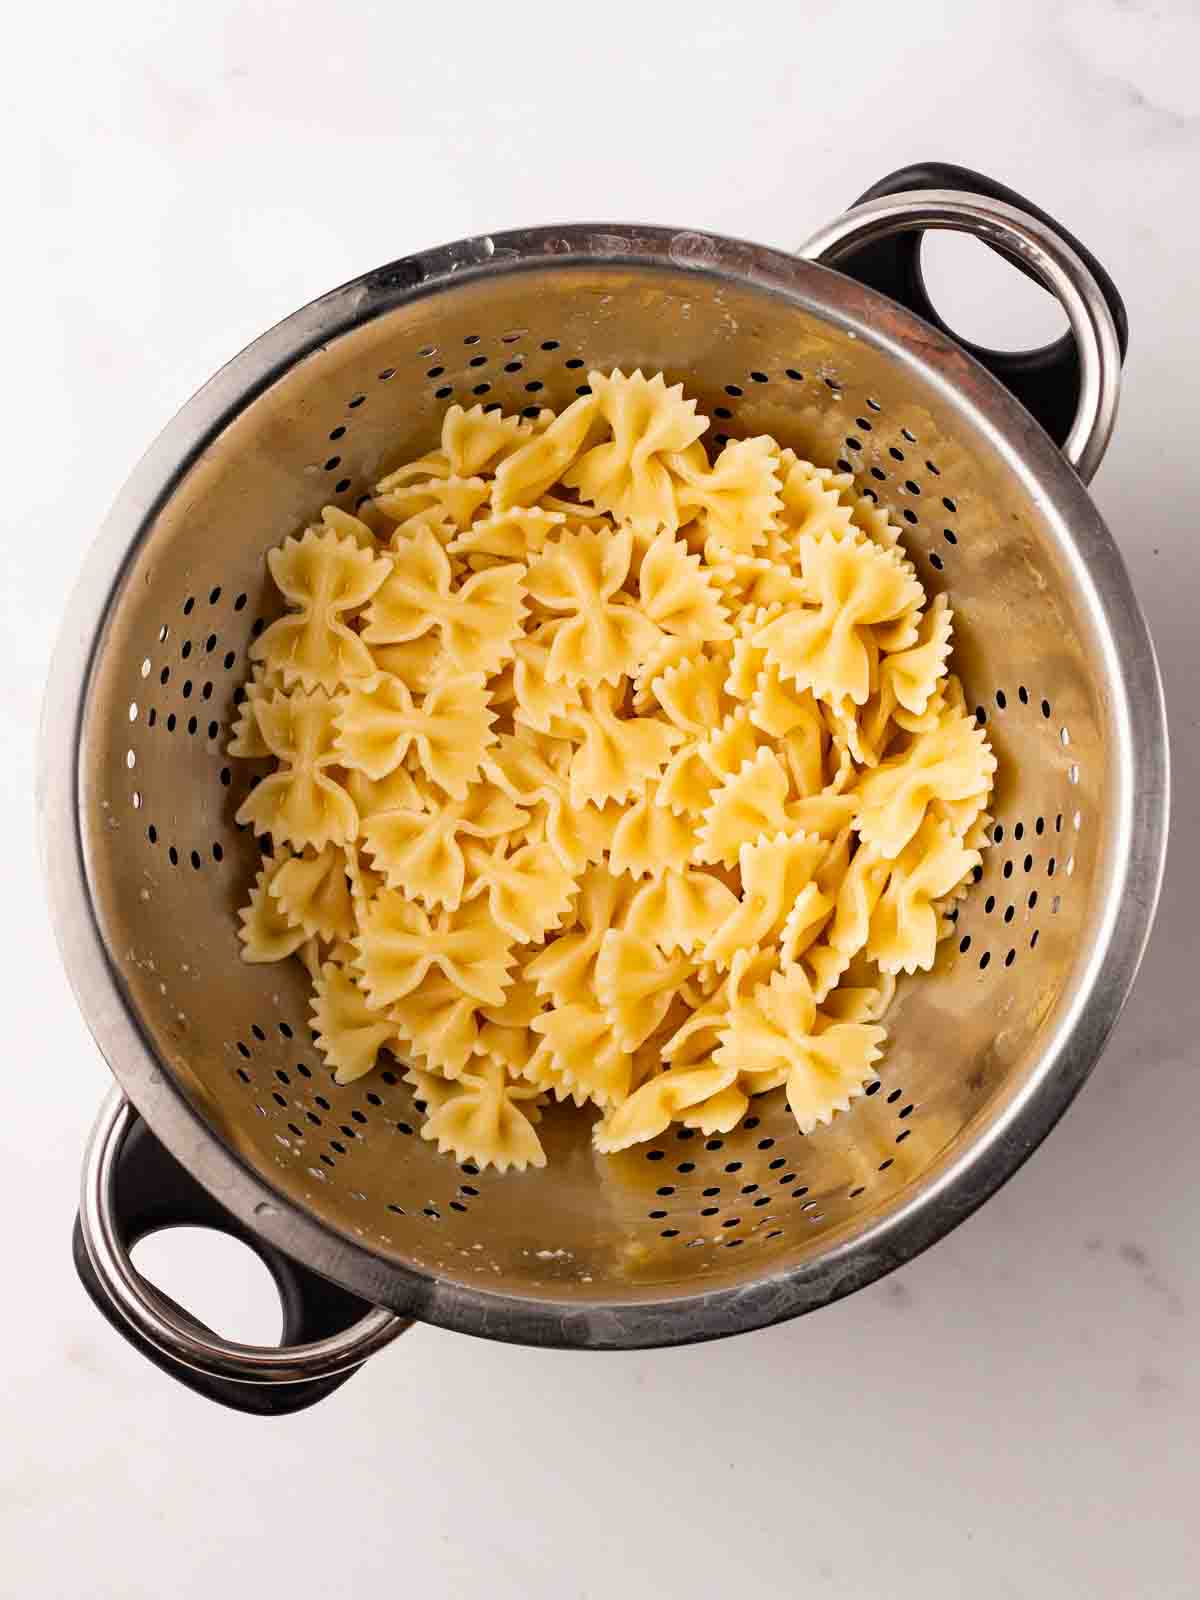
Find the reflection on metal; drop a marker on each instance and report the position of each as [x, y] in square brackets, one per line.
[690, 1238]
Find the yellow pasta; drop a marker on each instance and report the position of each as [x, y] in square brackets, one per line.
[615, 754]
[300, 803]
[323, 576]
[831, 648]
[313, 892]
[652, 1109]
[448, 732]
[477, 620]
[651, 839]
[399, 945]
[607, 773]
[678, 595]
[525, 476]
[600, 639]
[812, 501]
[778, 1029]
[266, 932]
[350, 1033]
[539, 702]
[670, 651]
[485, 1121]
[246, 741]
[439, 1022]
[690, 692]
[769, 580]
[953, 762]
[774, 871]
[420, 850]
[635, 984]
[905, 926]
[737, 501]
[472, 440]
[521, 1004]
[566, 970]
[585, 1059]
[681, 910]
[535, 773]
[515, 1049]
[910, 677]
[444, 501]
[417, 662]
[527, 892]
[509, 535]
[628, 472]
[699, 767]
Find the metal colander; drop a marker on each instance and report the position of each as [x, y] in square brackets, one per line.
[687, 1237]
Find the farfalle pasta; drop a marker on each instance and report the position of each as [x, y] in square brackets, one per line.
[599, 638]
[628, 473]
[736, 503]
[420, 848]
[477, 621]
[832, 647]
[301, 803]
[579, 1054]
[606, 773]
[379, 723]
[313, 893]
[324, 577]
[678, 595]
[527, 892]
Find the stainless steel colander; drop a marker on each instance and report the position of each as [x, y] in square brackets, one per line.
[687, 1238]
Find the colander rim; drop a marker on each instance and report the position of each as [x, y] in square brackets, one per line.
[957, 1186]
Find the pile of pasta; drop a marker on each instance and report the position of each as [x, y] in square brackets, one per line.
[604, 772]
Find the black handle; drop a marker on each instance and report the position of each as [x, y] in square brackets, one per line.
[152, 1192]
[1045, 381]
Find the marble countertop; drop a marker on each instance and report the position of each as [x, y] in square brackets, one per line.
[1017, 1412]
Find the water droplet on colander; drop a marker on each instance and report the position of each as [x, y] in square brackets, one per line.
[264, 1208]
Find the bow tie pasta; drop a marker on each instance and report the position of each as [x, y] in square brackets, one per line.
[605, 773]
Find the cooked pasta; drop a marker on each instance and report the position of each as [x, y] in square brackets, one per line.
[606, 774]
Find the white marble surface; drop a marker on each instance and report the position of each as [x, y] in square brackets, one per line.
[1016, 1413]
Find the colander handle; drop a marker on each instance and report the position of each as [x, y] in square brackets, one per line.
[1069, 386]
[132, 1187]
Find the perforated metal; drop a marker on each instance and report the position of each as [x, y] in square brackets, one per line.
[167, 867]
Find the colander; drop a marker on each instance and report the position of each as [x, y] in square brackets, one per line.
[225, 1113]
